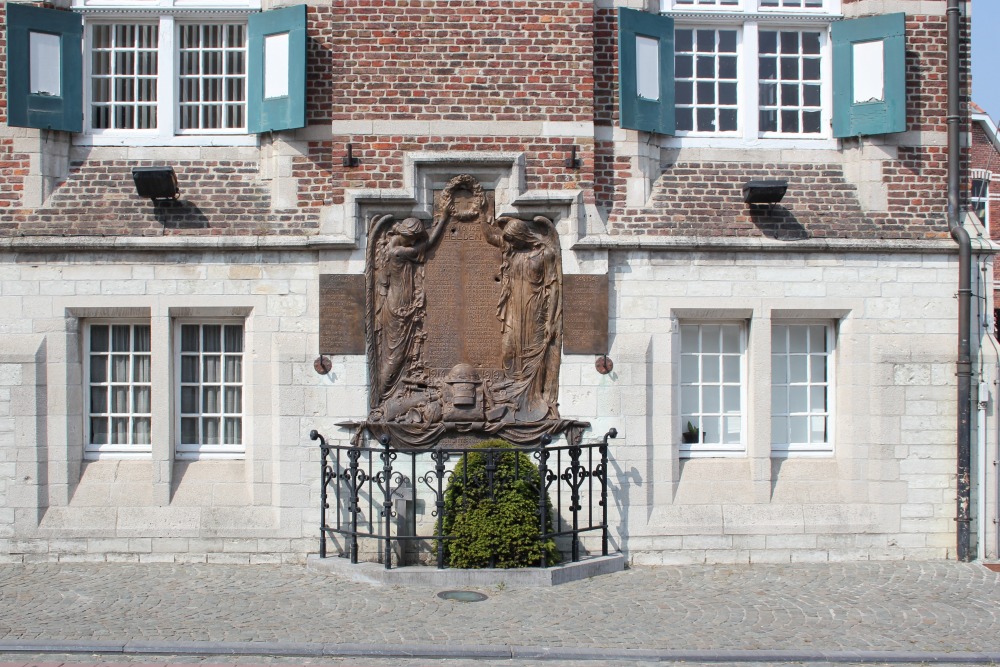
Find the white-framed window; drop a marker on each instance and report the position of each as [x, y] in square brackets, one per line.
[165, 77]
[801, 388]
[789, 67]
[752, 71]
[979, 195]
[117, 377]
[706, 79]
[712, 388]
[209, 371]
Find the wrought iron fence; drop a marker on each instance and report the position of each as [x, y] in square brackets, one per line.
[372, 491]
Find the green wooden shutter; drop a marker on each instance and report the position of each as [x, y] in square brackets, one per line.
[60, 107]
[639, 108]
[853, 117]
[284, 107]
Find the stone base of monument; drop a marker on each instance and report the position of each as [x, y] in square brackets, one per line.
[449, 578]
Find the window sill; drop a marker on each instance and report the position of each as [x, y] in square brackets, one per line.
[741, 143]
[198, 140]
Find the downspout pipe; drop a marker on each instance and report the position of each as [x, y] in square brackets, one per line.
[961, 236]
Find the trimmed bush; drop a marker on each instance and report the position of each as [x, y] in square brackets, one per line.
[504, 527]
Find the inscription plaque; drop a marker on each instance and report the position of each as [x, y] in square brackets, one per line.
[462, 284]
[585, 314]
[464, 322]
[341, 314]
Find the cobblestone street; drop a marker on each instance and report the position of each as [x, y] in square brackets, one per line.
[758, 613]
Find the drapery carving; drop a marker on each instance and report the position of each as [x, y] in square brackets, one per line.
[462, 385]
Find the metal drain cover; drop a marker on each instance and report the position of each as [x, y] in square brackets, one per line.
[462, 596]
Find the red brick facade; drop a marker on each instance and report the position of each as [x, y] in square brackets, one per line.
[525, 60]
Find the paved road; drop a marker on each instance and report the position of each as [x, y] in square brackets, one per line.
[768, 614]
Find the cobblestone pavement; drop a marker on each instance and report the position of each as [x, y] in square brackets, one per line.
[901, 607]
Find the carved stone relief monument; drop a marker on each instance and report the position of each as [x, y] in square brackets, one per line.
[463, 323]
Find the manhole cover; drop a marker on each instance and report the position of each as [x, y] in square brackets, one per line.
[462, 596]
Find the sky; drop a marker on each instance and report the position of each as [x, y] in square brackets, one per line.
[985, 56]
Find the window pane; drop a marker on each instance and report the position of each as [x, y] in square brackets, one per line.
[210, 431]
[689, 368]
[797, 369]
[189, 369]
[799, 429]
[711, 400]
[797, 337]
[684, 92]
[711, 431]
[119, 368]
[210, 400]
[211, 338]
[689, 400]
[210, 366]
[189, 431]
[189, 338]
[98, 400]
[140, 400]
[234, 369]
[817, 399]
[234, 400]
[779, 369]
[98, 431]
[189, 400]
[779, 430]
[141, 431]
[98, 338]
[234, 431]
[119, 399]
[817, 431]
[731, 400]
[731, 369]
[798, 399]
[710, 369]
[711, 335]
[818, 364]
[119, 431]
[234, 338]
[98, 368]
[141, 369]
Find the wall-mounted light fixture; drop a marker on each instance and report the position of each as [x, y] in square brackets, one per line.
[573, 162]
[156, 183]
[764, 192]
[349, 159]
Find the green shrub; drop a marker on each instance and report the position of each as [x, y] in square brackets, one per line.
[504, 527]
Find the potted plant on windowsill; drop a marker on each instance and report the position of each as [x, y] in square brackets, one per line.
[691, 435]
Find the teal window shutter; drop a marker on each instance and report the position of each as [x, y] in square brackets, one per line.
[276, 86]
[44, 68]
[646, 71]
[869, 97]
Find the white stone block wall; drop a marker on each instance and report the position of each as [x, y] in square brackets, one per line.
[887, 491]
[888, 488]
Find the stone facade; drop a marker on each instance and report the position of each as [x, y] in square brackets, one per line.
[424, 90]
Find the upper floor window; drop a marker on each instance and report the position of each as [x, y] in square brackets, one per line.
[159, 73]
[788, 97]
[748, 70]
[979, 195]
[200, 68]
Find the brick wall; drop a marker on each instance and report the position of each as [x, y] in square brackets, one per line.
[442, 59]
[99, 198]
